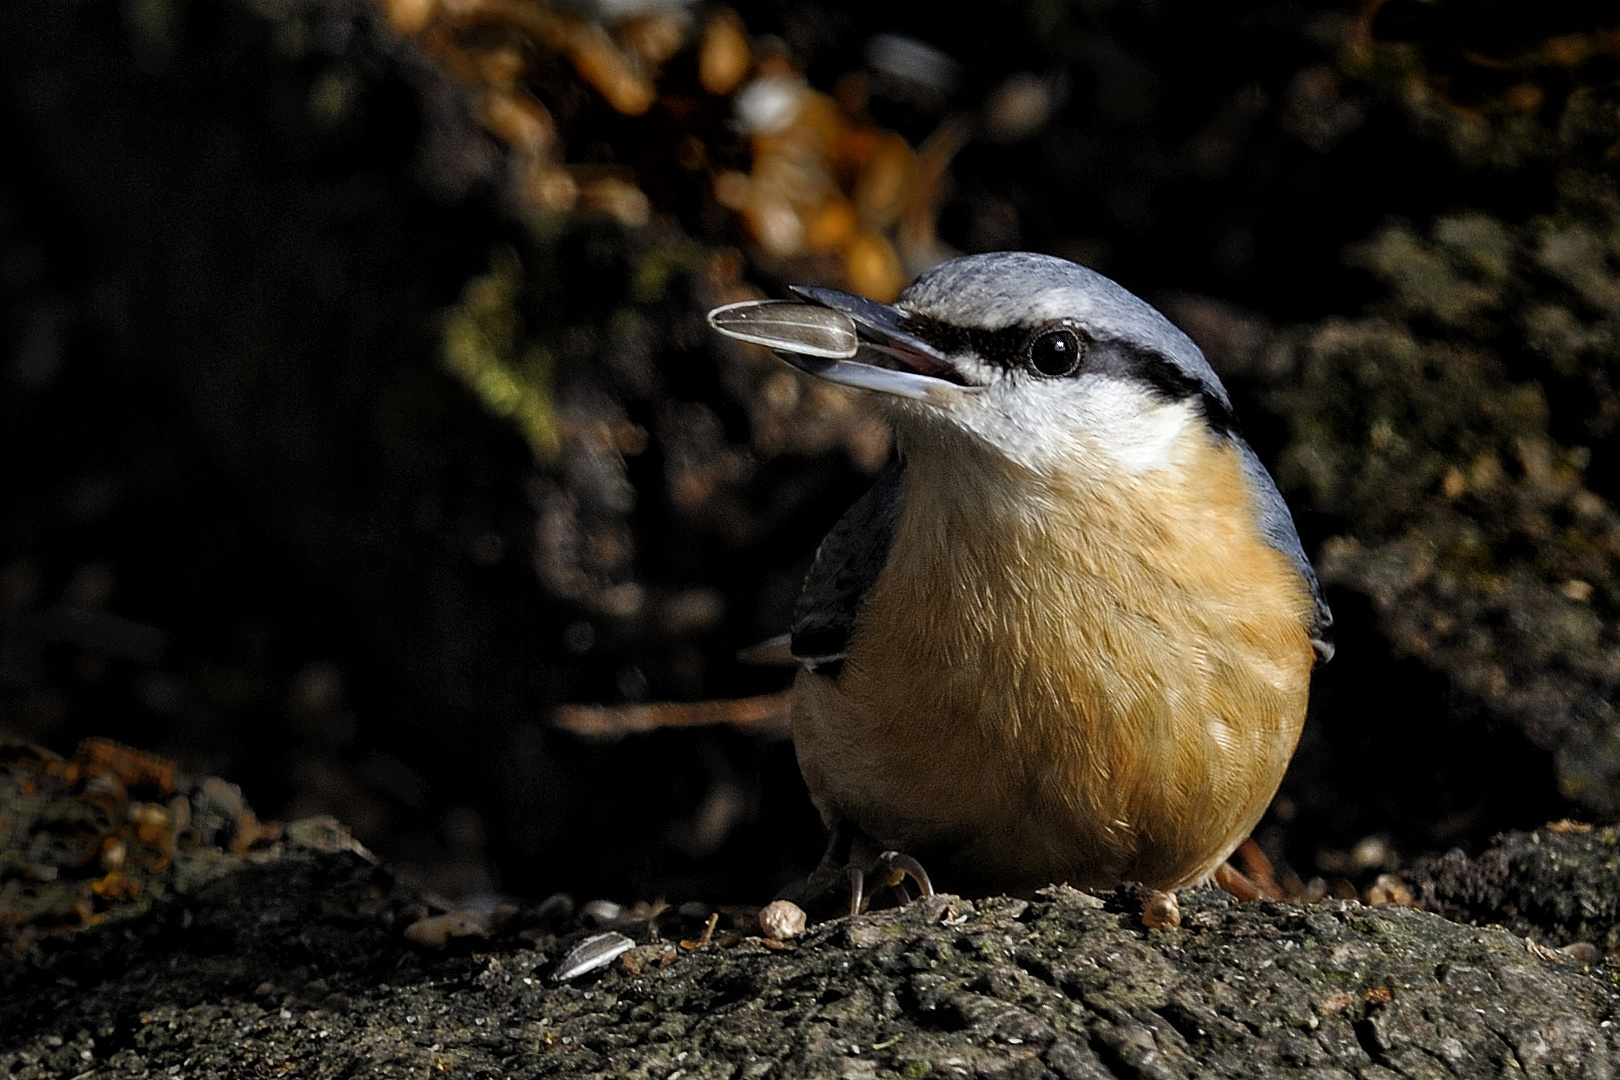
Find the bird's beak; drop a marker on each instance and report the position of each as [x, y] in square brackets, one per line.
[846, 339]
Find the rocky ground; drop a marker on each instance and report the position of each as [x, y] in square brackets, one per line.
[299, 954]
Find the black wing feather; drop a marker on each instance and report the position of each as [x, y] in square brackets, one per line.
[847, 564]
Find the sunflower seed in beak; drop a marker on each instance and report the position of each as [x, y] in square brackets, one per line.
[789, 326]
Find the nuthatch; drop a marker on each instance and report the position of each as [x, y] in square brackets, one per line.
[1069, 633]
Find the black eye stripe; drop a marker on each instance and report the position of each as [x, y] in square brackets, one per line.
[1005, 348]
[1170, 381]
[1008, 348]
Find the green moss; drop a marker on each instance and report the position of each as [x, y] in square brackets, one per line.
[485, 348]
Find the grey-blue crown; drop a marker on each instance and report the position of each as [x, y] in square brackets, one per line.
[1000, 289]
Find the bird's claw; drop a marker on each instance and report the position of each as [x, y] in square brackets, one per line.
[890, 871]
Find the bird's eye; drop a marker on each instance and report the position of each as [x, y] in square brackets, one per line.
[1056, 353]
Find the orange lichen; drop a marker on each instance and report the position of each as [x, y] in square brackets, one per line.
[133, 768]
[83, 849]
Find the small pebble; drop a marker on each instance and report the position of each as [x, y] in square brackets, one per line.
[1160, 910]
[602, 912]
[435, 930]
[1388, 889]
[1583, 952]
[782, 919]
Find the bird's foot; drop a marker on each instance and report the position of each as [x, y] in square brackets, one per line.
[1237, 883]
[889, 872]
[849, 863]
[1249, 876]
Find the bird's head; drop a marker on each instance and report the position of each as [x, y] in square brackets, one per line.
[1043, 361]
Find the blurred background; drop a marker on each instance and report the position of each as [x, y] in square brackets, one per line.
[357, 409]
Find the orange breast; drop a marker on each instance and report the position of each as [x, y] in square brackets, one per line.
[1079, 678]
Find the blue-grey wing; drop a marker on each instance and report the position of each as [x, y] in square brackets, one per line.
[847, 564]
[1278, 526]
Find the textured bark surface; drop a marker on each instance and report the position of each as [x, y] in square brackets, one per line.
[295, 964]
[1559, 885]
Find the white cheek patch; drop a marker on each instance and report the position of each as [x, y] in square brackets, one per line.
[1103, 423]
[1139, 430]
